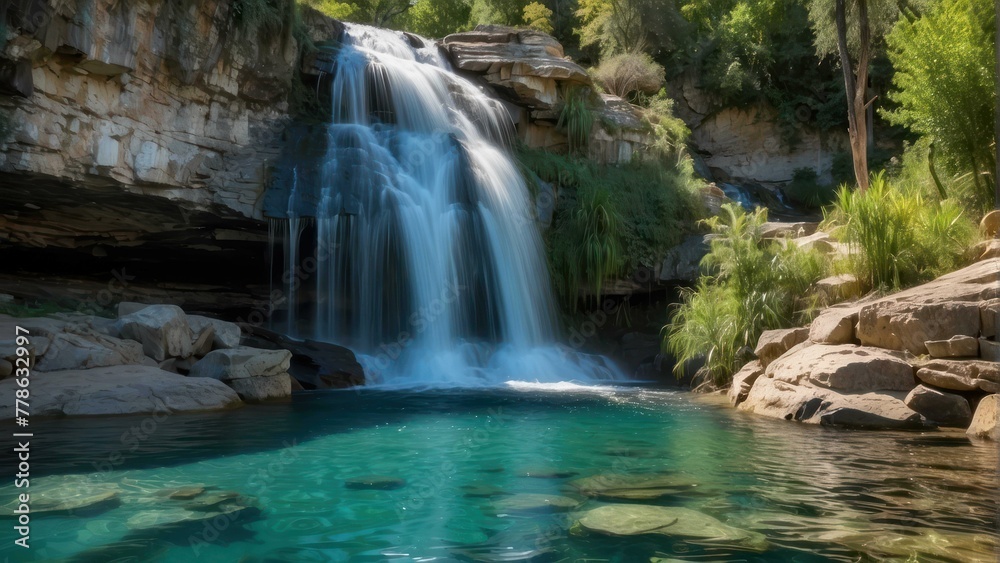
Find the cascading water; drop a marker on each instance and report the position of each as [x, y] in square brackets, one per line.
[428, 257]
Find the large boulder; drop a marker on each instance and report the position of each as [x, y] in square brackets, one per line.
[255, 374]
[835, 289]
[162, 329]
[119, 390]
[817, 405]
[743, 381]
[834, 326]
[225, 334]
[683, 262]
[242, 363]
[990, 225]
[316, 365]
[908, 326]
[961, 375]
[86, 349]
[772, 344]
[986, 421]
[945, 409]
[844, 368]
[989, 318]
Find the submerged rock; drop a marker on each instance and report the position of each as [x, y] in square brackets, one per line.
[635, 519]
[623, 486]
[182, 493]
[68, 500]
[535, 503]
[376, 482]
[548, 473]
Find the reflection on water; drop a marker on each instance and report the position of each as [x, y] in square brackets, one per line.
[500, 475]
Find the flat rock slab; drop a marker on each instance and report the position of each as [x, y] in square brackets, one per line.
[535, 503]
[908, 326]
[817, 405]
[636, 520]
[376, 482]
[955, 347]
[624, 486]
[844, 368]
[119, 390]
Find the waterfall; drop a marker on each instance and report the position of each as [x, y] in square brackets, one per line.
[428, 259]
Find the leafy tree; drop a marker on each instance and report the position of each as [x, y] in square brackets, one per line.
[945, 84]
[503, 12]
[539, 17]
[332, 8]
[614, 25]
[438, 18]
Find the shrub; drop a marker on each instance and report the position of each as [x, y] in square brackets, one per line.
[897, 237]
[629, 73]
[752, 285]
[670, 133]
[805, 189]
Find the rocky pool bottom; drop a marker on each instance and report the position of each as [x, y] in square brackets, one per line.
[525, 473]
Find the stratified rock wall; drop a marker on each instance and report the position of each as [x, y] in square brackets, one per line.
[171, 99]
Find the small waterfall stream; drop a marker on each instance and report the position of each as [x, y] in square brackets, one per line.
[429, 261]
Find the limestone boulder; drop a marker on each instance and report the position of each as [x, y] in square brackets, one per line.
[834, 326]
[84, 349]
[776, 230]
[774, 343]
[162, 330]
[989, 317]
[986, 421]
[242, 363]
[119, 390]
[989, 350]
[819, 241]
[263, 388]
[817, 405]
[835, 289]
[945, 409]
[845, 368]
[225, 334]
[899, 325]
[743, 381]
[954, 347]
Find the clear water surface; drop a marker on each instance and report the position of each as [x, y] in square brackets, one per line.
[449, 460]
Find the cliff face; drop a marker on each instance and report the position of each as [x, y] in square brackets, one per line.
[149, 98]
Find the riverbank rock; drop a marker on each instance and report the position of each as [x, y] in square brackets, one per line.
[75, 349]
[743, 381]
[636, 520]
[986, 421]
[774, 343]
[945, 409]
[844, 368]
[835, 289]
[960, 375]
[225, 334]
[954, 347]
[990, 225]
[119, 390]
[162, 329]
[255, 374]
[898, 325]
[834, 326]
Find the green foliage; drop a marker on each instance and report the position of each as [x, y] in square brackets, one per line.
[628, 74]
[651, 204]
[503, 12]
[897, 237]
[332, 8]
[576, 119]
[945, 85]
[806, 190]
[537, 16]
[438, 18]
[615, 26]
[882, 16]
[591, 252]
[753, 285]
[670, 133]
[914, 174]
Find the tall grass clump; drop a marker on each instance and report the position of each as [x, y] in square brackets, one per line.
[751, 285]
[897, 236]
[576, 119]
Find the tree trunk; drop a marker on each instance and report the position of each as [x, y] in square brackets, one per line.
[855, 86]
[996, 117]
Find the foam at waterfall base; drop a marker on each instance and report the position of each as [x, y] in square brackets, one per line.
[478, 365]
